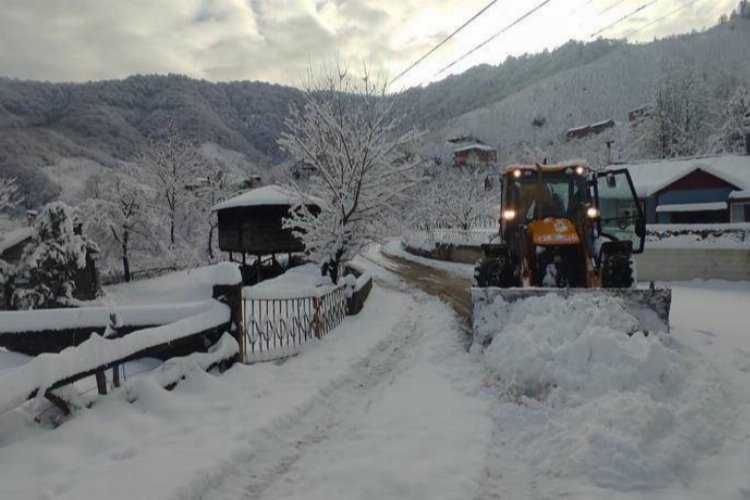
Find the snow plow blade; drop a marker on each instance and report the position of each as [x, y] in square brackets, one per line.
[649, 306]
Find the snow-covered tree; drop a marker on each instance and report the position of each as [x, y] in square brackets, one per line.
[120, 216]
[172, 165]
[734, 136]
[46, 275]
[458, 197]
[10, 193]
[347, 132]
[680, 120]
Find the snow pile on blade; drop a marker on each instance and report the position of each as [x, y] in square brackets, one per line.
[629, 412]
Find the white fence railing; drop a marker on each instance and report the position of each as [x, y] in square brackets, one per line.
[277, 328]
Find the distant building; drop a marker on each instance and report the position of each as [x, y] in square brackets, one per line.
[588, 130]
[466, 149]
[638, 114]
[700, 190]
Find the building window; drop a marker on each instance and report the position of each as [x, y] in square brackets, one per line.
[741, 212]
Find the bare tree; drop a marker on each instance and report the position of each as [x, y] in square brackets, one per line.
[120, 215]
[347, 133]
[173, 165]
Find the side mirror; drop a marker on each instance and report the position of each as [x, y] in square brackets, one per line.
[640, 228]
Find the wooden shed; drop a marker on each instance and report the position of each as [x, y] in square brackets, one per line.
[251, 224]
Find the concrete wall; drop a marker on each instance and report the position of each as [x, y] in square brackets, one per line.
[653, 265]
[686, 264]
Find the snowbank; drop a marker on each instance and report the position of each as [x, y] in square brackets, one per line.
[301, 281]
[628, 412]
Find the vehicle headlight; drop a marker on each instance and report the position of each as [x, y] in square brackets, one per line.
[517, 173]
[509, 214]
[580, 170]
[592, 212]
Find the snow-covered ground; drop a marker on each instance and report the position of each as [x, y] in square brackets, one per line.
[301, 281]
[390, 405]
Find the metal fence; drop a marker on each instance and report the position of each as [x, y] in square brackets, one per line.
[276, 328]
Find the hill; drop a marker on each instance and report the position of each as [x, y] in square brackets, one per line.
[53, 135]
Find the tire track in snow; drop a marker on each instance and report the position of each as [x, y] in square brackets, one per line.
[279, 447]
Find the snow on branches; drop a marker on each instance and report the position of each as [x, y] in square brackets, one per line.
[457, 198]
[10, 193]
[172, 166]
[46, 275]
[120, 215]
[346, 132]
[734, 136]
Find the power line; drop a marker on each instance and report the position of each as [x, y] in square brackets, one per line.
[425, 56]
[514, 23]
[610, 7]
[624, 18]
[678, 9]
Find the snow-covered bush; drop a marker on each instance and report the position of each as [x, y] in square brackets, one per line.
[347, 133]
[46, 275]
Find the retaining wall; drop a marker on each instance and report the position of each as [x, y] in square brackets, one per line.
[662, 264]
[657, 264]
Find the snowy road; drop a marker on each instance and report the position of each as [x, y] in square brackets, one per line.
[406, 422]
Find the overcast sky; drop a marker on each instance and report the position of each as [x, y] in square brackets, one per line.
[275, 40]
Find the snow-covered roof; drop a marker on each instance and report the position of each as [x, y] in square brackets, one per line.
[740, 195]
[693, 207]
[13, 238]
[481, 147]
[652, 176]
[602, 123]
[578, 129]
[267, 195]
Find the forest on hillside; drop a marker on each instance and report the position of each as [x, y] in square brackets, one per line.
[54, 135]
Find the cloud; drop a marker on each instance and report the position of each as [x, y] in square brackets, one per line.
[275, 40]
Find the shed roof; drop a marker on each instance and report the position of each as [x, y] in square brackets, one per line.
[13, 238]
[652, 176]
[481, 147]
[268, 195]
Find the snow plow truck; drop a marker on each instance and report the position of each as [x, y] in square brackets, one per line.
[568, 229]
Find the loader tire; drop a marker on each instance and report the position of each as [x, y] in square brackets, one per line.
[617, 271]
[494, 272]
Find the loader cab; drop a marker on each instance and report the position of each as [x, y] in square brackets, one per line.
[536, 193]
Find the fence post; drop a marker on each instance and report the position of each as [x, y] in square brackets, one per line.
[317, 323]
[101, 382]
[231, 295]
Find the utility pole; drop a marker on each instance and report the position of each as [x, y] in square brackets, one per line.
[609, 143]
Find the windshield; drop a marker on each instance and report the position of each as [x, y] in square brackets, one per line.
[559, 194]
